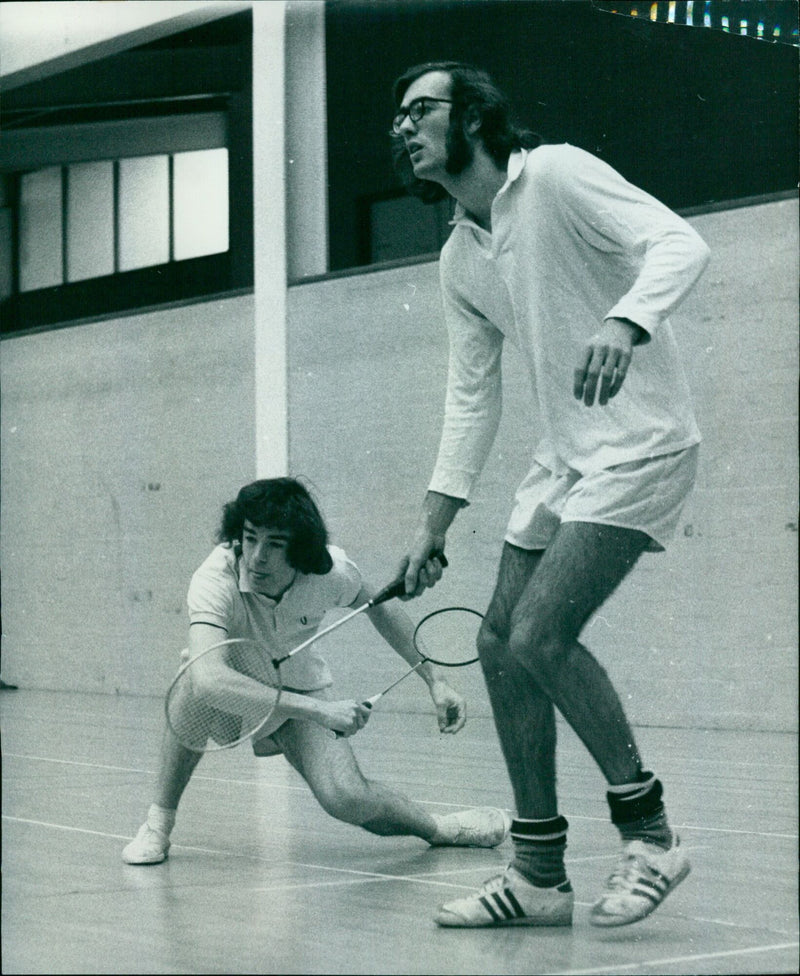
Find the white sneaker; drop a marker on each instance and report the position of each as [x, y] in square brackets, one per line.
[509, 899]
[149, 846]
[477, 827]
[643, 878]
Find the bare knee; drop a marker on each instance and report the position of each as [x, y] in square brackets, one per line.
[351, 805]
[490, 644]
[512, 655]
[541, 648]
[363, 807]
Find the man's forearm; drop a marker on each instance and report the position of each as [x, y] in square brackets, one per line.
[438, 512]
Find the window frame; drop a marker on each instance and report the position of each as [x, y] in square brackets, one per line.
[220, 123]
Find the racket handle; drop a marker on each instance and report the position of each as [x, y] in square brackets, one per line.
[367, 704]
[398, 587]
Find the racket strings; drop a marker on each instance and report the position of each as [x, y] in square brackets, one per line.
[202, 721]
[449, 636]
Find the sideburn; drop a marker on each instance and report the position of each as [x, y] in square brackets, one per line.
[460, 151]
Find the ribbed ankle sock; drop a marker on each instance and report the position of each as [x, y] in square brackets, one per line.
[539, 847]
[161, 819]
[638, 812]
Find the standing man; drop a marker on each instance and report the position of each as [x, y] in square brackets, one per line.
[555, 251]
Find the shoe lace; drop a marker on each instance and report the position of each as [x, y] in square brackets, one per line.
[494, 884]
[626, 874]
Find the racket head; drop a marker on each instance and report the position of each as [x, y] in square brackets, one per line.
[204, 727]
[448, 636]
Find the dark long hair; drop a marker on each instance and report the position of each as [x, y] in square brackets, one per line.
[471, 88]
[281, 503]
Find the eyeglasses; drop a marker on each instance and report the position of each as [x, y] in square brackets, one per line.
[415, 111]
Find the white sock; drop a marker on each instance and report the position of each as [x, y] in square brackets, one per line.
[161, 819]
[443, 835]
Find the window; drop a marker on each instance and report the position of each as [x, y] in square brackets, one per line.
[143, 218]
[126, 179]
[40, 230]
[401, 226]
[89, 217]
[200, 205]
[90, 220]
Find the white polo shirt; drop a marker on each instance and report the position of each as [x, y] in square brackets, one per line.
[572, 244]
[220, 595]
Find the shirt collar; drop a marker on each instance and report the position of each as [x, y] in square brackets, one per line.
[516, 164]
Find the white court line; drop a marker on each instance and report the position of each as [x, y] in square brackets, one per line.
[354, 876]
[709, 830]
[727, 763]
[739, 762]
[694, 957]
[434, 803]
[321, 867]
[149, 772]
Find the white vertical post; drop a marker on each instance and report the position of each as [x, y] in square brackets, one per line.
[306, 140]
[269, 216]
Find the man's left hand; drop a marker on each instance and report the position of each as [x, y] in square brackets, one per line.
[606, 361]
[451, 708]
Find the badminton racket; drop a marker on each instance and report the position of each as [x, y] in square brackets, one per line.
[447, 637]
[213, 703]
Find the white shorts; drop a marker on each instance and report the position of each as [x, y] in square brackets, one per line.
[265, 744]
[646, 495]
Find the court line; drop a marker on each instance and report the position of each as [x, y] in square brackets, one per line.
[361, 876]
[304, 789]
[585, 859]
[708, 830]
[705, 762]
[649, 963]
[355, 876]
[149, 772]
[254, 857]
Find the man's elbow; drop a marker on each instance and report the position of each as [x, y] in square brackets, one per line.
[204, 682]
[700, 253]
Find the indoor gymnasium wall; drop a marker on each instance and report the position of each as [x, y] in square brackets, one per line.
[702, 636]
[121, 440]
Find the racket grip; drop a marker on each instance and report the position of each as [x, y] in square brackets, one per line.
[367, 704]
[398, 587]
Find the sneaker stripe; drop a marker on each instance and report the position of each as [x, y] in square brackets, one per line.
[497, 897]
[518, 910]
[488, 906]
[659, 885]
[507, 905]
[655, 897]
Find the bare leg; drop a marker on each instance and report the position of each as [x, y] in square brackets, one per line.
[330, 768]
[580, 569]
[524, 715]
[541, 604]
[176, 765]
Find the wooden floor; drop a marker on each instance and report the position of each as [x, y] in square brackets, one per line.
[260, 880]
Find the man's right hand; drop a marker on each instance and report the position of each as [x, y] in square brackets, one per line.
[421, 568]
[345, 718]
